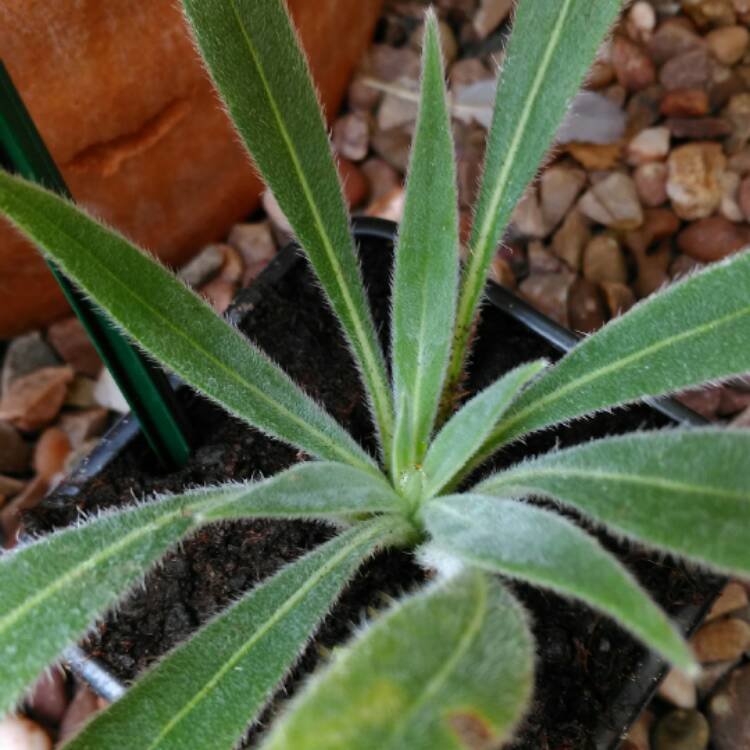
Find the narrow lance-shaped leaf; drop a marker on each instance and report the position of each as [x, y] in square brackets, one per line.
[695, 331]
[686, 491]
[448, 667]
[535, 545]
[426, 275]
[174, 324]
[551, 47]
[254, 57]
[466, 431]
[206, 692]
[52, 590]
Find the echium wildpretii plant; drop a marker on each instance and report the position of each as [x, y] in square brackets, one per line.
[451, 666]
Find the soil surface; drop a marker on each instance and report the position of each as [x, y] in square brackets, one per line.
[583, 659]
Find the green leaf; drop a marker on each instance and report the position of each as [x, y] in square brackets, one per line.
[52, 591]
[686, 491]
[317, 489]
[550, 49]
[466, 431]
[206, 692]
[254, 57]
[450, 668]
[534, 545]
[426, 273]
[175, 325]
[693, 332]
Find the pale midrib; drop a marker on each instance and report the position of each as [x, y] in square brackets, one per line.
[278, 615]
[439, 678]
[78, 571]
[561, 392]
[371, 361]
[643, 480]
[246, 384]
[475, 278]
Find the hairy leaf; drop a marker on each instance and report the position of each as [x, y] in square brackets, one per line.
[686, 491]
[551, 47]
[206, 692]
[466, 431]
[254, 57]
[534, 545]
[445, 669]
[693, 332]
[52, 590]
[317, 489]
[174, 324]
[426, 276]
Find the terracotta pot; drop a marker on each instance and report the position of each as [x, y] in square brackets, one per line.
[127, 111]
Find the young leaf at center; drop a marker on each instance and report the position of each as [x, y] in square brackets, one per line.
[426, 268]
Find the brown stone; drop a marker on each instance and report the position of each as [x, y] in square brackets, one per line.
[527, 216]
[502, 273]
[743, 197]
[613, 202]
[730, 207]
[50, 452]
[643, 108]
[15, 452]
[389, 206]
[694, 183]
[256, 246]
[706, 13]
[685, 103]
[594, 156]
[732, 598]
[704, 401]
[82, 425]
[219, 293]
[698, 128]
[72, 343]
[355, 183]
[571, 238]
[728, 44]
[732, 402]
[381, 176]
[651, 183]
[678, 689]
[633, 67]
[721, 640]
[20, 733]
[125, 106]
[651, 144]
[673, 38]
[737, 113]
[467, 71]
[394, 146]
[728, 711]
[84, 705]
[351, 136]
[49, 698]
[548, 292]
[619, 297]
[34, 400]
[603, 260]
[713, 238]
[559, 187]
[684, 265]
[691, 70]
[587, 309]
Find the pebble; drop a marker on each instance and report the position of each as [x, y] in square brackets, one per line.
[587, 308]
[381, 176]
[468, 71]
[559, 187]
[643, 108]
[19, 733]
[633, 67]
[391, 63]
[730, 207]
[527, 216]
[651, 183]
[691, 70]
[619, 297]
[681, 730]
[255, 244]
[389, 206]
[694, 181]
[705, 13]
[613, 202]
[713, 238]
[394, 146]
[728, 44]
[489, 15]
[651, 144]
[673, 38]
[232, 266]
[548, 292]
[737, 113]
[732, 402]
[732, 598]
[595, 156]
[24, 355]
[80, 393]
[571, 238]
[721, 640]
[15, 452]
[354, 182]
[698, 128]
[201, 269]
[72, 343]
[728, 709]
[678, 689]
[50, 453]
[108, 394]
[685, 103]
[395, 111]
[639, 733]
[351, 136]
[502, 273]
[740, 162]
[34, 400]
[541, 260]
[48, 699]
[603, 260]
[219, 293]
[684, 265]
[85, 704]
[703, 401]
[641, 19]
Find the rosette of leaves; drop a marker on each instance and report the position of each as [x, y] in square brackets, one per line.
[451, 666]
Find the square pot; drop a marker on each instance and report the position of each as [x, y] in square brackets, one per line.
[592, 678]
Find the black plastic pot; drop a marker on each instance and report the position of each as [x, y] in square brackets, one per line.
[503, 312]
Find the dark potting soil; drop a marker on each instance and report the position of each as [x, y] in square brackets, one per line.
[583, 658]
